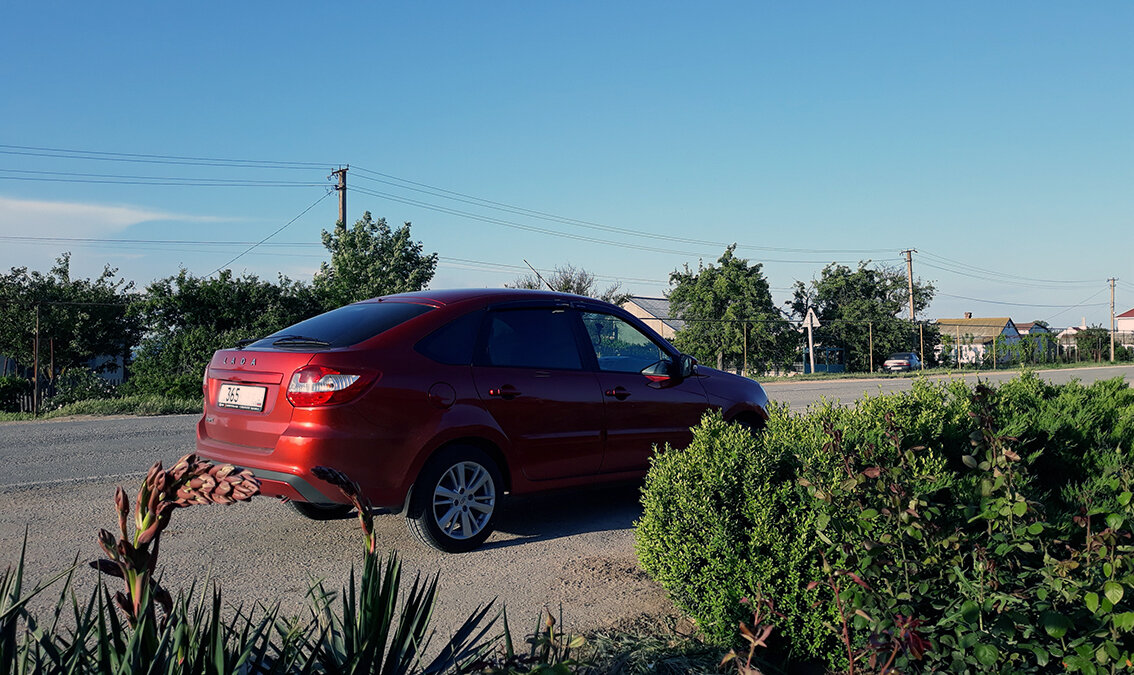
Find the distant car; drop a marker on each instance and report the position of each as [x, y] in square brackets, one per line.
[439, 402]
[901, 361]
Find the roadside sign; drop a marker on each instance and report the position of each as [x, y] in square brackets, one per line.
[810, 322]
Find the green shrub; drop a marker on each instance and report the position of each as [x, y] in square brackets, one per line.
[78, 384]
[974, 531]
[723, 520]
[11, 389]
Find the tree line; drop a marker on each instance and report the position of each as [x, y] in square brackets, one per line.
[167, 332]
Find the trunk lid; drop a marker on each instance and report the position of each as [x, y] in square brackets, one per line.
[245, 396]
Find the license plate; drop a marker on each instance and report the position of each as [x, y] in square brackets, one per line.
[241, 397]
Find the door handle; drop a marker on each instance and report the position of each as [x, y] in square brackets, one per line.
[619, 393]
[506, 392]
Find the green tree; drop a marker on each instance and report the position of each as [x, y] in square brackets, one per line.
[369, 260]
[570, 279]
[725, 307]
[851, 304]
[1094, 343]
[188, 318]
[79, 319]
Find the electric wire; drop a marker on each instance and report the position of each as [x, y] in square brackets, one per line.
[163, 182]
[565, 235]
[543, 215]
[1009, 282]
[64, 153]
[281, 229]
[1083, 303]
[187, 179]
[995, 273]
[1017, 304]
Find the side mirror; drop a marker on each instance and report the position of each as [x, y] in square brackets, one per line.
[666, 370]
[660, 371]
[687, 366]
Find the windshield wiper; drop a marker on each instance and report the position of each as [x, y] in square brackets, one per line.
[241, 344]
[299, 340]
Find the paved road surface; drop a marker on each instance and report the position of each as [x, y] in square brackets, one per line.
[58, 478]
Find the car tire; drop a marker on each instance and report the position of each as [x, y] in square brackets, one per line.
[322, 511]
[455, 499]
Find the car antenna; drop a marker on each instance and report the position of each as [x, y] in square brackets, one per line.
[538, 275]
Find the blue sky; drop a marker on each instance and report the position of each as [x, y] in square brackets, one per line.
[995, 138]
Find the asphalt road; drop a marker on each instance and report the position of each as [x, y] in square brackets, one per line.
[574, 549]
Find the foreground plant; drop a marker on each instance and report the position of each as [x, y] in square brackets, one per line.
[756, 636]
[134, 558]
[370, 634]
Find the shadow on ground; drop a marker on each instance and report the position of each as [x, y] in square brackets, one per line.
[565, 513]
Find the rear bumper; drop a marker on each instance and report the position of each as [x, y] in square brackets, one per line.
[285, 470]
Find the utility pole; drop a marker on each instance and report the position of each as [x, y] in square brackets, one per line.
[1112, 280]
[909, 272]
[341, 189]
[870, 327]
[909, 280]
[35, 367]
[745, 325]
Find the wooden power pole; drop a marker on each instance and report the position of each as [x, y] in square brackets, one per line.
[909, 273]
[1112, 280]
[909, 280]
[341, 189]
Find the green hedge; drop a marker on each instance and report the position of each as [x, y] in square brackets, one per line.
[11, 389]
[975, 513]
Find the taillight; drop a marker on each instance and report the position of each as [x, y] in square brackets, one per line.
[320, 385]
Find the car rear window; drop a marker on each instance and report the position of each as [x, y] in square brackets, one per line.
[344, 326]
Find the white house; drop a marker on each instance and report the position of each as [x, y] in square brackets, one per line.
[1124, 326]
[654, 312]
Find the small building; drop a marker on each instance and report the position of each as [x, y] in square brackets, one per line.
[1124, 327]
[1124, 322]
[973, 337]
[654, 312]
[1031, 328]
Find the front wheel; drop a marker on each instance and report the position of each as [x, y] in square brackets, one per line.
[454, 500]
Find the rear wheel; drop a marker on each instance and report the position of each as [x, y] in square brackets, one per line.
[322, 511]
[455, 499]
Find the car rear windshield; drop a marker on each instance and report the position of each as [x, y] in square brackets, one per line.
[342, 327]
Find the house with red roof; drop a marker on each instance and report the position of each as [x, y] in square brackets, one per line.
[1124, 322]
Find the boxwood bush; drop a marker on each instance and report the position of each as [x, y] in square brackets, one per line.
[970, 530]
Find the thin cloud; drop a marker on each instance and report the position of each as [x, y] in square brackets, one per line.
[20, 216]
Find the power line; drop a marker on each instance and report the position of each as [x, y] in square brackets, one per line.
[134, 177]
[165, 182]
[995, 273]
[542, 215]
[67, 153]
[1081, 304]
[1020, 304]
[281, 229]
[556, 233]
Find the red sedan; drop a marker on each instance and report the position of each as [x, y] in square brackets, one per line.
[438, 402]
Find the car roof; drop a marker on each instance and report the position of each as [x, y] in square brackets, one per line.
[454, 295]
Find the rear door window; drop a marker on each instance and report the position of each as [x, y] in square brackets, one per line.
[532, 338]
[342, 327]
[453, 344]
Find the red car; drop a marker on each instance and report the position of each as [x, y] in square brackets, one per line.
[438, 402]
